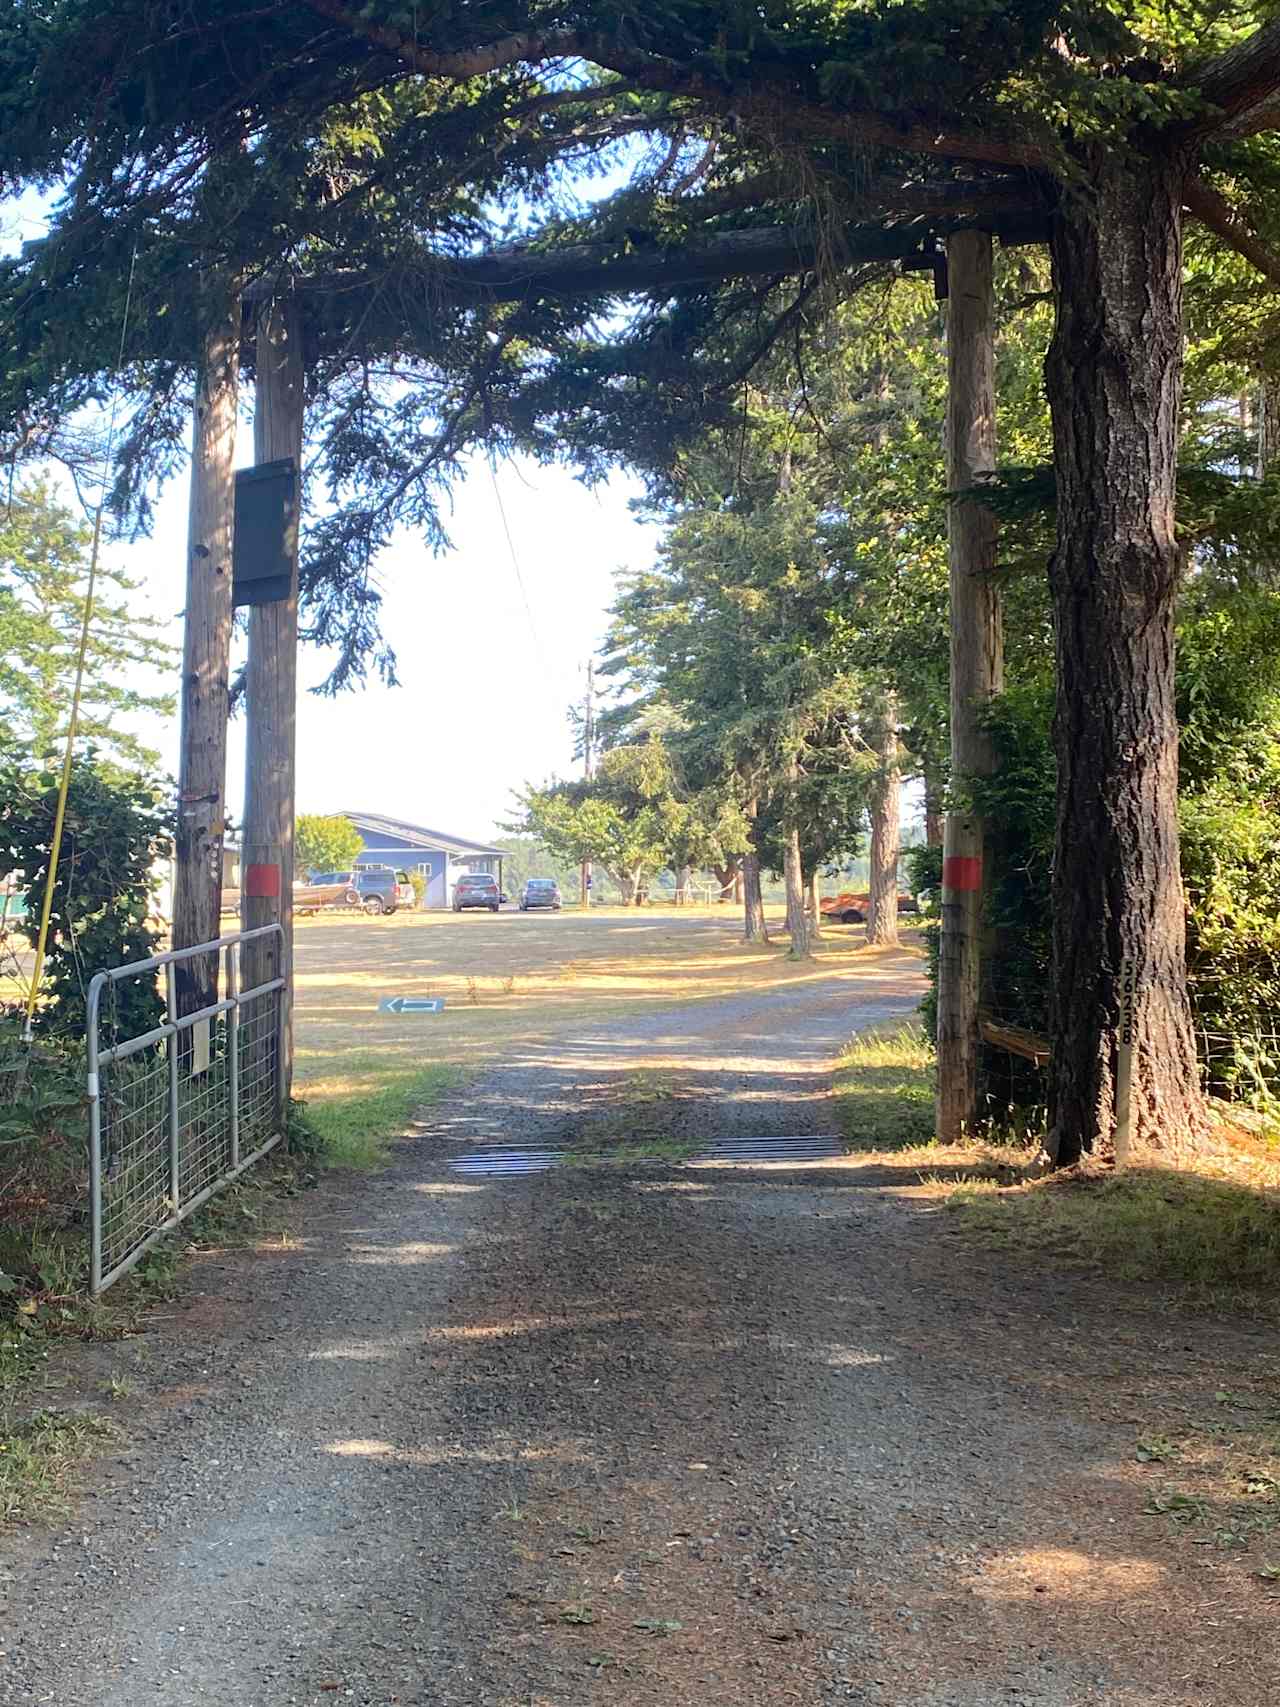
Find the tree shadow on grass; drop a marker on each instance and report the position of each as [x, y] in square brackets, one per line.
[1200, 1238]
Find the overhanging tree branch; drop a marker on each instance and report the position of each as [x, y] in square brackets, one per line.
[1240, 81]
[773, 110]
[1216, 214]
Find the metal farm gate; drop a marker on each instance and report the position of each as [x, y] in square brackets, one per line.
[182, 1109]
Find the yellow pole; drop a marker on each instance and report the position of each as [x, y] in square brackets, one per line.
[64, 784]
[59, 817]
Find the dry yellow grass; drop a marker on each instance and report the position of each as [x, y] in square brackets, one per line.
[509, 978]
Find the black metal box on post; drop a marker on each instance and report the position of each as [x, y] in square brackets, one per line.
[266, 523]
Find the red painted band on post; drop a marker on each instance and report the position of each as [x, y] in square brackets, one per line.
[262, 880]
[962, 873]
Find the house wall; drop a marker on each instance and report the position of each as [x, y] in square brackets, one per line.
[401, 855]
[438, 867]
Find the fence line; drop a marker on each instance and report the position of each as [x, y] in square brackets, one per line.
[180, 1110]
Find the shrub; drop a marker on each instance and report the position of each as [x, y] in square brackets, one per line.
[115, 832]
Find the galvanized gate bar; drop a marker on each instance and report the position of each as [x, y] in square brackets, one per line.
[154, 1170]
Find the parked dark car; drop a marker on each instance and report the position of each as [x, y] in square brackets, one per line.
[378, 890]
[477, 889]
[540, 892]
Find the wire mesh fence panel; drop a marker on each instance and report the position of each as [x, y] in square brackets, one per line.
[178, 1110]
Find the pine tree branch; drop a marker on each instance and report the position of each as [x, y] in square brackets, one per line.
[603, 269]
[1239, 82]
[774, 111]
[1216, 214]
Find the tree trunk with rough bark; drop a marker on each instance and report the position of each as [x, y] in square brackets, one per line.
[206, 651]
[793, 878]
[793, 871]
[932, 807]
[1114, 369]
[754, 928]
[811, 906]
[729, 877]
[886, 833]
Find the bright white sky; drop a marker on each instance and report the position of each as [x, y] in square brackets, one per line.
[486, 680]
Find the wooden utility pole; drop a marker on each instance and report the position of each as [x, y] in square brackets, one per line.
[206, 648]
[588, 764]
[977, 670]
[271, 688]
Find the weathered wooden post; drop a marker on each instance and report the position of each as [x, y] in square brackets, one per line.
[271, 685]
[206, 648]
[977, 669]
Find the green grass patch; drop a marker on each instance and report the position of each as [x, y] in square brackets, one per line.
[1197, 1237]
[639, 1149]
[884, 1089]
[37, 1458]
[356, 1127]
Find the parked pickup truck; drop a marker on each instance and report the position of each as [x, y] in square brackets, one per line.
[851, 909]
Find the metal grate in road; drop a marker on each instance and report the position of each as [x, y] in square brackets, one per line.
[498, 1161]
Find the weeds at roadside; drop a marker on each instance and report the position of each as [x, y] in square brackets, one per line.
[355, 1127]
[36, 1461]
[884, 1089]
[1198, 1238]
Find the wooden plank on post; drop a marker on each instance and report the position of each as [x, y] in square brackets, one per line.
[977, 669]
[271, 689]
[206, 647]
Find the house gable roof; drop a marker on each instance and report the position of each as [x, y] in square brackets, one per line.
[374, 824]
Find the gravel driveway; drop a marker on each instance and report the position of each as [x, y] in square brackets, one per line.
[640, 1435]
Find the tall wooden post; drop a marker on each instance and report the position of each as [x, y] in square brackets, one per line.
[271, 689]
[977, 670]
[206, 648]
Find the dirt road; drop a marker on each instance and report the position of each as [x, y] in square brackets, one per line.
[641, 1435]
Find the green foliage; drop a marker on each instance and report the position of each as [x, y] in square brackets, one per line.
[634, 816]
[44, 554]
[325, 844]
[524, 857]
[884, 1089]
[42, 1088]
[115, 832]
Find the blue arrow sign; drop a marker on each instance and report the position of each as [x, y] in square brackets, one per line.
[411, 1005]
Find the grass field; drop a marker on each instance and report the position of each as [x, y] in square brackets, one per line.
[505, 979]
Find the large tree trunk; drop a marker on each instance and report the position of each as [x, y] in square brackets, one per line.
[811, 905]
[1269, 426]
[1121, 1014]
[977, 671]
[932, 806]
[729, 877]
[793, 877]
[754, 928]
[793, 873]
[206, 650]
[886, 834]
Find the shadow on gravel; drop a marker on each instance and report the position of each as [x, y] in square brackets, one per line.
[737, 1436]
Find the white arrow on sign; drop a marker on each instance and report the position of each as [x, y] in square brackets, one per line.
[411, 1005]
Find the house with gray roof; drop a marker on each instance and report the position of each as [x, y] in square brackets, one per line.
[441, 858]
